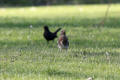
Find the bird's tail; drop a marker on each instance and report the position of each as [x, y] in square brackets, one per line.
[57, 30]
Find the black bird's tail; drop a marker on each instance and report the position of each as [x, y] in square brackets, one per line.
[57, 31]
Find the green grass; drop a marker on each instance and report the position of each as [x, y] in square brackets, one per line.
[25, 55]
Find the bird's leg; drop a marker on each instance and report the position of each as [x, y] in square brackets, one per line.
[59, 49]
[47, 42]
[53, 40]
[66, 50]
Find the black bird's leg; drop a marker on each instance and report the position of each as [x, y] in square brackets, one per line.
[47, 42]
[53, 40]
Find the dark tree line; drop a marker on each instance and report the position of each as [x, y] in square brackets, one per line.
[53, 2]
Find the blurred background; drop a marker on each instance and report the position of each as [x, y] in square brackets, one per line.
[52, 2]
[93, 30]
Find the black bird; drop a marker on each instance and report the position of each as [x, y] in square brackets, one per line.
[48, 35]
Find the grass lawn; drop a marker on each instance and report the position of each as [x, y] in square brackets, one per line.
[93, 52]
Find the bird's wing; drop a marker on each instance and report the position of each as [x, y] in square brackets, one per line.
[65, 41]
[60, 40]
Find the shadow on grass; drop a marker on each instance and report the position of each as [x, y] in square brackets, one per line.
[83, 43]
[40, 44]
[75, 43]
[54, 72]
[12, 22]
[75, 75]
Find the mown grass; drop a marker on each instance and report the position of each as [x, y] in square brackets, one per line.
[93, 52]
